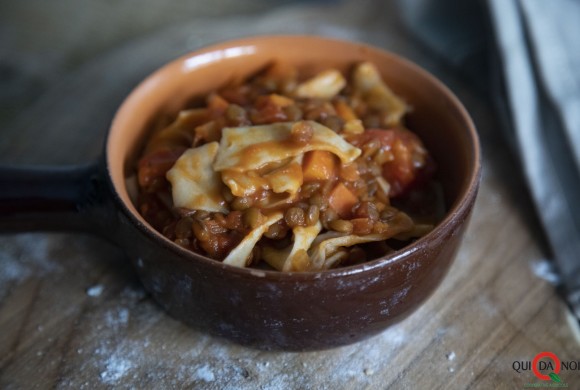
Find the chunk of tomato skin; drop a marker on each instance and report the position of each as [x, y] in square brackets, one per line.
[400, 172]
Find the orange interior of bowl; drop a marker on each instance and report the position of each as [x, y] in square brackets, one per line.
[437, 116]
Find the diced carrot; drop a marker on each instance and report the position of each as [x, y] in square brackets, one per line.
[280, 101]
[344, 111]
[342, 200]
[362, 226]
[319, 165]
[267, 111]
[217, 104]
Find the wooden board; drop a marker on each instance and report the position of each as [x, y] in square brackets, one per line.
[73, 315]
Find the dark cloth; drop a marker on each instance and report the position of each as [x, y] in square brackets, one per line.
[525, 54]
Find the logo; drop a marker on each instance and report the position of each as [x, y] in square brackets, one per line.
[546, 367]
[555, 370]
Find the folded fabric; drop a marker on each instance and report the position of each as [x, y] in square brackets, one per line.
[535, 45]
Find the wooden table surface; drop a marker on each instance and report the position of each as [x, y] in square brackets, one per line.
[73, 315]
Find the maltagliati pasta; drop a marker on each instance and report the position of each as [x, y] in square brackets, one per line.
[292, 173]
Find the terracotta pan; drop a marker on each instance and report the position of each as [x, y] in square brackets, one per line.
[265, 309]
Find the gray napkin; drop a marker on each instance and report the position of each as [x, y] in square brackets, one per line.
[535, 47]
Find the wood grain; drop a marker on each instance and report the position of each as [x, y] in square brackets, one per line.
[73, 315]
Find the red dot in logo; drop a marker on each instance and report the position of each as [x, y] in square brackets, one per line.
[537, 360]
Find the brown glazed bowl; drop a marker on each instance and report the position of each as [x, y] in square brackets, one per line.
[265, 309]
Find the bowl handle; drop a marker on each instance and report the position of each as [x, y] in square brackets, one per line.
[53, 198]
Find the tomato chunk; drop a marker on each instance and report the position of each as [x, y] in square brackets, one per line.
[410, 162]
[153, 167]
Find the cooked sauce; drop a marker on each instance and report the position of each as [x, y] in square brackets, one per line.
[292, 174]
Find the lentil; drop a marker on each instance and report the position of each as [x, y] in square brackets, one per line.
[341, 225]
[253, 217]
[242, 203]
[312, 215]
[294, 216]
[183, 228]
[301, 133]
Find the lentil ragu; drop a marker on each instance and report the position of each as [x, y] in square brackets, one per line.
[291, 173]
